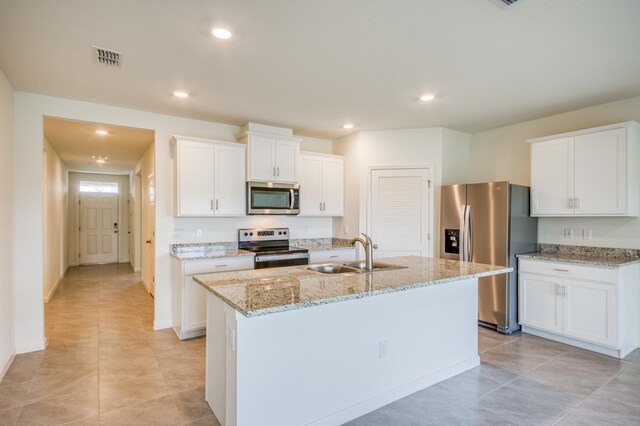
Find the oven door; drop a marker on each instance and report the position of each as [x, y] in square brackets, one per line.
[262, 261]
[273, 198]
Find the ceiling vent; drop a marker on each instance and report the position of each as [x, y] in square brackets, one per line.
[107, 56]
[504, 3]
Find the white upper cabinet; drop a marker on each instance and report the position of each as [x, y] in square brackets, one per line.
[209, 178]
[272, 158]
[592, 172]
[321, 185]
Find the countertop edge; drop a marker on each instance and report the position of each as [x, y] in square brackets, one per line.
[589, 262]
[344, 298]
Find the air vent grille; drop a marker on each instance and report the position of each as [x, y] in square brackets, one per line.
[108, 57]
[505, 3]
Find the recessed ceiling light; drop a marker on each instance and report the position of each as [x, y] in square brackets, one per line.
[102, 132]
[348, 126]
[180, 94]
[221, 33]
[427, 98]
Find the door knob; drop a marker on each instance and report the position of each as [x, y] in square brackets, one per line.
[148, 241]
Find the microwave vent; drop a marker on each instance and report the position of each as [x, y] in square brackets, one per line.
[505, 3]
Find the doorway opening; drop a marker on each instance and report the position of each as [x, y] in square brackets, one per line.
[94, 208]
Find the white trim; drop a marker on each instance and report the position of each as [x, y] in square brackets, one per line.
[585, 131]
[430, 168]
[32, 347]
[161, 325]
[606, 350]
[182, 335]
[144, 283]
[7, 365]
[48, 297]
[388, 397]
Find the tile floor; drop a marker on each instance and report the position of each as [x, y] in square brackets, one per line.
[105, 365]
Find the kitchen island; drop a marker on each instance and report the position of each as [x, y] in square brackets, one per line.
[290, 346]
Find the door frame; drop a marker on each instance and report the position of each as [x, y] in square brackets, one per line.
[431, 192]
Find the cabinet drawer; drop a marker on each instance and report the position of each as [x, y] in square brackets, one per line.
[569, 270]
[218, 265]
[324, 256]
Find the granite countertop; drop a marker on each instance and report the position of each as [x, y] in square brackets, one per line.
[207, 251]
[319, 244]
[269, 291]
[595, 256]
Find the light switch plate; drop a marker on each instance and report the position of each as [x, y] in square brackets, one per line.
[568, 233]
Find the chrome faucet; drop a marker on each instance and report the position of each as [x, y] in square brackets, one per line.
[368, 250]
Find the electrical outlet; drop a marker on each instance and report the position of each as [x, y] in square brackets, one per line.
[198, 233]
[383, 349]
[568, 233]
[346, 230]
[586, 234]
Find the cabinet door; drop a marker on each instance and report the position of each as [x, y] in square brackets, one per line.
[194, 305]
[333, 186]
[589, 311]
[287, 155]
[552, 177]
[262, 158]
[195, 179]
[540, 305]
[230, 187]
[600, 173]
[310, 185]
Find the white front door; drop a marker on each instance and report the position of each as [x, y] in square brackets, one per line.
[401, 212]
[98, 228]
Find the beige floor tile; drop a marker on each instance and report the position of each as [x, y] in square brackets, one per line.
[161, 411]
[12, 394]
[191, 404]
[59, 410]
[9, 416]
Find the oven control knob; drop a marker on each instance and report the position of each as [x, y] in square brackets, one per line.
[251, 233]
[245, 234]
[280, 233]
[284, 232]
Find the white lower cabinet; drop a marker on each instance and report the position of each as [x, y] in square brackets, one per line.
[595, 308]
[325, 256]
[190, 298]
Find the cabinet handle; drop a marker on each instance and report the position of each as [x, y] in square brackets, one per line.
[274, 170]
[320, 205]
[278, 171]
[324, 206]
[576, 203]
[570, 203]
[211, 204]
[561, 270]
[217, 205]
[334, 256]
[221, 266]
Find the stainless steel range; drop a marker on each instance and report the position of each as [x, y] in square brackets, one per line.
[271, 246]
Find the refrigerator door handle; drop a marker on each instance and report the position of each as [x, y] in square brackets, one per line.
[462, 243]
[469, 232]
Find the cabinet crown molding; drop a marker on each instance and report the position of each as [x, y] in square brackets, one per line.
[625, 124]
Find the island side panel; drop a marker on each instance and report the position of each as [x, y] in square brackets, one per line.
[322, 365]
[216, 358]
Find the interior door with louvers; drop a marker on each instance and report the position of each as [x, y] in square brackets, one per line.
[400, 212]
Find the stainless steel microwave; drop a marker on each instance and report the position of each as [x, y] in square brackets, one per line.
[273, 198]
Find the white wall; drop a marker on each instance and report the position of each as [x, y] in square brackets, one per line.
[56, 202]
[144, 212]
[7, 340]
[74, 213]
[456, 151]
[504, 154]
[30, 110]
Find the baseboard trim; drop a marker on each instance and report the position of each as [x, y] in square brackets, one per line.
[48, 298]
[7, 365]
[184, 335]
[32, 347]
[594, 347]
[392, 395]
[161, 325]
[144, 283]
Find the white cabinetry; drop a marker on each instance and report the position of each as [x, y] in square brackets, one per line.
[321, 185]
[190, 298]
[209, 177]
[272, 158]
[592, 172]
[339, 255]
[587, 306]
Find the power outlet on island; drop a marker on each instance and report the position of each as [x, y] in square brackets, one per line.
[198, 233]
[383, 349]
[568, 233]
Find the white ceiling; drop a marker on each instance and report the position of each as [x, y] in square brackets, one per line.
[76, 142]
[313, 65]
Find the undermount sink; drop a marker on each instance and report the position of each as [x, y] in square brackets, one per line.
[333, 269]
[352, 268]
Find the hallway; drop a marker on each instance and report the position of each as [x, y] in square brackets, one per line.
[104, 363]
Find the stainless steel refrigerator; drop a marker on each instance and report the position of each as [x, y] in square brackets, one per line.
[489, 223]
